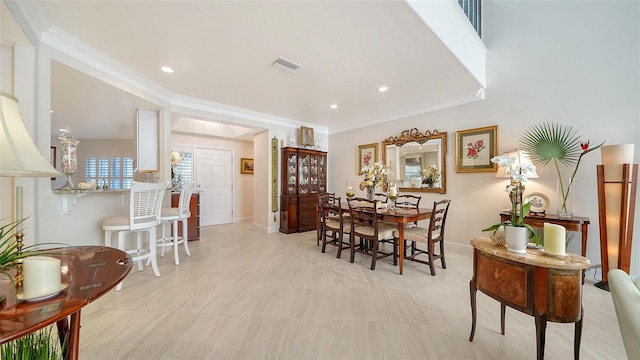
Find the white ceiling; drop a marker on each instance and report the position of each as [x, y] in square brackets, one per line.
[222, 52]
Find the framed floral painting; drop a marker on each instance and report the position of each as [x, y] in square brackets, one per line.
[367, 155]
[475, 148]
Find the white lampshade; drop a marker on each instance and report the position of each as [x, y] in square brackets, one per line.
[176, 157]
[522, 157]
[19, 155]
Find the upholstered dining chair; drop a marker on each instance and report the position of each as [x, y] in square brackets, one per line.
[430, 236]
[333, 223]
[173, 216]
[145, 200]
[366, 226]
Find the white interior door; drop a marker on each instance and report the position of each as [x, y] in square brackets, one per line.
[214, 178]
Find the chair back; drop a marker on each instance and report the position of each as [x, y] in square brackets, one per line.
[145, 200]
[438, 219]
[382, 197]
[626, 301]
[364, 218]
[185, 200]
[408, 201]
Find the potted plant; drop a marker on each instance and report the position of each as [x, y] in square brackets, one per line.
[560, 144]
[517, 233]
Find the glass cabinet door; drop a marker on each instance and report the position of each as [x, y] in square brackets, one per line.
[292, 169]
[322, 173]
[304, 163]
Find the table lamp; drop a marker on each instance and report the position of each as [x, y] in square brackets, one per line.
[19, 155]
[522, 157]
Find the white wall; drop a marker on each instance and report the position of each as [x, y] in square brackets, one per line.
[575, 64]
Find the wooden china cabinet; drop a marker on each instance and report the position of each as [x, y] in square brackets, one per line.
[304, 174]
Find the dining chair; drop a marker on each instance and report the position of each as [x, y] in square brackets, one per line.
[320, 222]
[173, 216]
[144, 215]
[365, 226]
[334, 225]
[428, 236]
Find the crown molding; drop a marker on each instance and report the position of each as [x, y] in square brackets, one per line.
[31, 17]
[75, 52]
[477, 95]
[186, 104]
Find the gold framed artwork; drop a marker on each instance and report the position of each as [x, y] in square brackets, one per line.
[475, 148]
[246, 166]
[306, 136]
[366, 155]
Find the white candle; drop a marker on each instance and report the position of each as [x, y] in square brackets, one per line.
[19, 209]
[554, 239]
[41, 276]
[393, 191]
[350, 189]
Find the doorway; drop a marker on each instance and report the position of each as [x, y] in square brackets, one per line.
[214, 179]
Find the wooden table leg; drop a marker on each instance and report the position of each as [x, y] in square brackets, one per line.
[472, 294]
[577, 336]
[584, 234]
[503, 310]
[74, 337]
[401, 248]
[63, 334]
[541, 328]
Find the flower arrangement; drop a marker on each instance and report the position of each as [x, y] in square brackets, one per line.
[561, 144]
[518, 176]
[373, 175]
[431, 175]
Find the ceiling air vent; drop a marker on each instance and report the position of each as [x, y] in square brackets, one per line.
[285, 64]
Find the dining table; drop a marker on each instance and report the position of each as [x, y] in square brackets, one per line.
[401, 216]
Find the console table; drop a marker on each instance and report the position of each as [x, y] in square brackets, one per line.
[90, 271]
[549, 288]
[575, 223]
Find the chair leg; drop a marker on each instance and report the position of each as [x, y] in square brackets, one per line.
[395, 251]
[138, 248]
[324, 241]
[339, 240]
[163, 234]
[352, 239]
[444, 263]
[185, 236]
[432, 266]
[152, 251]
[176, 258]
[374, 255]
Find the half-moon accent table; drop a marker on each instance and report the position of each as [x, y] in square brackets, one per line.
[549, 288]
[90, 271]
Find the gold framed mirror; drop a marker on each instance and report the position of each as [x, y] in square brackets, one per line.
[416, 160]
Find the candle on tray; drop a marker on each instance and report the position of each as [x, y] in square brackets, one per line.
[41, 276]
[393, 191]
[554, 239]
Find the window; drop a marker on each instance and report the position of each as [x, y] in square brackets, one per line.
[117, 172]
[184, 170]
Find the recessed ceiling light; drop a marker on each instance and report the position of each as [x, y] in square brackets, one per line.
[334, 106]
[383, 88]
[167, 69]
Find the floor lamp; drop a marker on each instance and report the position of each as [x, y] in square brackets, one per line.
[617, 183]
[19, 155]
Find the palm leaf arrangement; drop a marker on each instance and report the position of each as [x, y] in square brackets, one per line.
[558, 143]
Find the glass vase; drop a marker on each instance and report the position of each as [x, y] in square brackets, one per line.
[564, 197]
[370, 192]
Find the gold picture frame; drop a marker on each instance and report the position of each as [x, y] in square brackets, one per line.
[475, 148]
[306, 136]
[366, 155]
[246, 166]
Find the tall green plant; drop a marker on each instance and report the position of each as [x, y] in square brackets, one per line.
[559, 143]
[38, 345]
